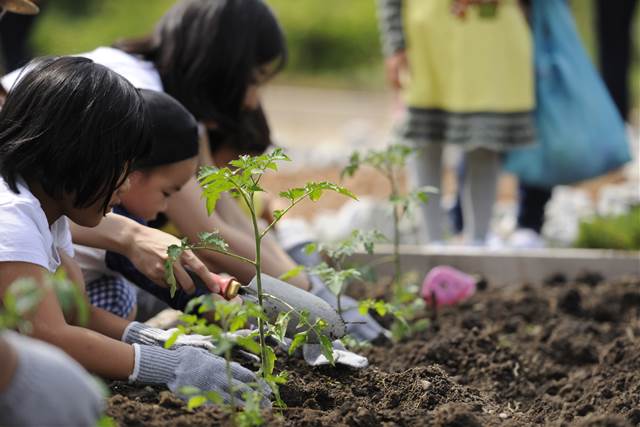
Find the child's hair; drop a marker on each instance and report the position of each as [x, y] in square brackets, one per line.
[206, 52]
[174, 131]
[74, 127]
[254, 137]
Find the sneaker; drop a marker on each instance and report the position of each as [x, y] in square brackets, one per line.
[525, 238]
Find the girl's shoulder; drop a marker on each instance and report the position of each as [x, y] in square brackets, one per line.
[26, 234]
[142, 74]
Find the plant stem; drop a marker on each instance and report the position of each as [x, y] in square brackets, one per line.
[258, 239]
[396, 230]
[231, 254]
[339, 295]
[227, 356]
[275, 221]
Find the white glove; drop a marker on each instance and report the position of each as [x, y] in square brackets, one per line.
[48, 388]
[312, 354]
[195, 367]
[139, 333]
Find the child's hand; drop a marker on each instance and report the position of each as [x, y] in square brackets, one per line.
[396, 65]
[188, 366]
[139, 333]
[148, 252]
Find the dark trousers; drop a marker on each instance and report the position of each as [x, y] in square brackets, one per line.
[531, 205]
[614, 22]
[14, 37]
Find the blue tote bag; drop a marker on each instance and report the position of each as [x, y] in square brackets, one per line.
[580, 133]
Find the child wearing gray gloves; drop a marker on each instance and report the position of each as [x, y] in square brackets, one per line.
[69, 131]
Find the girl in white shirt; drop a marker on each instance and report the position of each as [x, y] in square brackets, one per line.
[69, 131]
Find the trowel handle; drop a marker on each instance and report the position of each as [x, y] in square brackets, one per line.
[229, 287]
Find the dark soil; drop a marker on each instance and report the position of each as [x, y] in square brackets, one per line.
[566, 352]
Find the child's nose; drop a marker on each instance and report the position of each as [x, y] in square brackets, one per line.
[165, 205]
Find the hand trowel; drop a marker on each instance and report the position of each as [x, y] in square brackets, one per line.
[281, 297]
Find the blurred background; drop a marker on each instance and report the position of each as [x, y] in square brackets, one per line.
[333, 98]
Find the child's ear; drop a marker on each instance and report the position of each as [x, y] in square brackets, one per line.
[136, 177]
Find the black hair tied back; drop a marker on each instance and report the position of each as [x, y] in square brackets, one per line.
[207, 51]
[174, 131]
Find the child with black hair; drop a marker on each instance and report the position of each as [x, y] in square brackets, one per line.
[183, 58]
[70, 130]
[171, 162]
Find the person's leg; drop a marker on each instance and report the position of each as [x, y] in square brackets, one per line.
[425, 168]
[14, 36]
[114, 294]
[531, 206]
[479, 193]
[614, 22]
[455, 214]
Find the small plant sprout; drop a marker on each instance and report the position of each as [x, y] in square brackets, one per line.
[390, 162]
[242, 179]
[337, 276]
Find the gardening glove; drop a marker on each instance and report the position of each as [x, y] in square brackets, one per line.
[196, 367]
[139, 333]
[48, 388]
[312, 354]
[361, 327]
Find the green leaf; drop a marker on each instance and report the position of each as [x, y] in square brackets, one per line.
[364, 306]
[293, 194]
[189, 390]
[327, 348]
[193, 303]
[214, 397]
[271, 360]
[174, 252]
[295, 271]
[106, 421]
[352, 167]
[299, 339]
[213, 240]
[381, 308]
[248, 344]
[195, 402]
[311, 248]
[173, 338]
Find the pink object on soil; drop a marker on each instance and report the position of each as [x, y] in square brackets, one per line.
[447, 285]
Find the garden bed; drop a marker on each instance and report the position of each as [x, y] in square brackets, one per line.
[554, 354]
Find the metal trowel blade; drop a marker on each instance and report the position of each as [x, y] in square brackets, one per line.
[281, 297]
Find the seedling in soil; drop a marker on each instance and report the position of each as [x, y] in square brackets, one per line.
[390, 162]
[243, 181]
[405, 304]
[338, 275]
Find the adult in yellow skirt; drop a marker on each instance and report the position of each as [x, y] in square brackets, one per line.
[464, 69]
